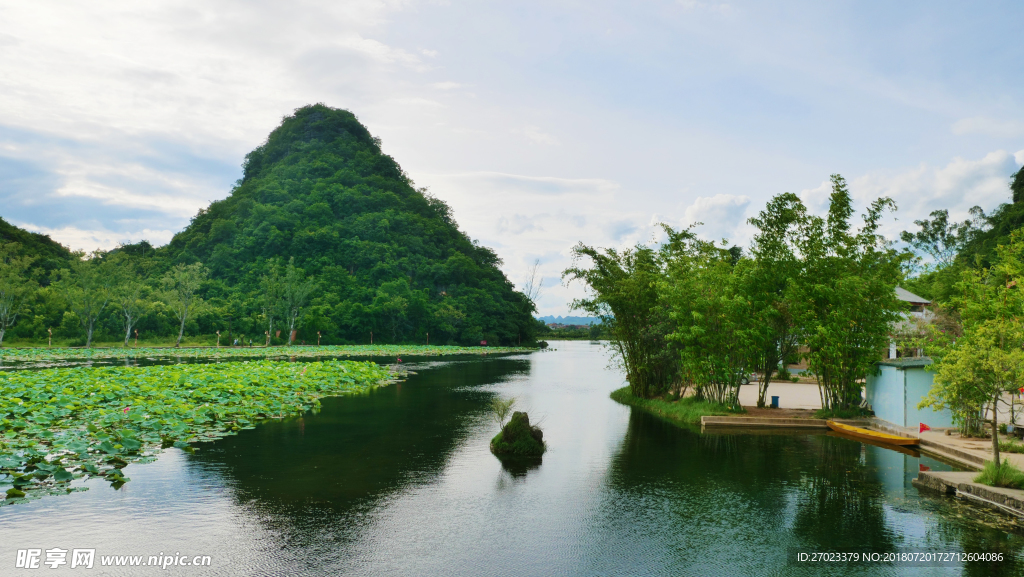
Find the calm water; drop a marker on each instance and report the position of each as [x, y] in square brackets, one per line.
[400, 482]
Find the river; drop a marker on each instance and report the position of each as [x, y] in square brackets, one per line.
[400, 481]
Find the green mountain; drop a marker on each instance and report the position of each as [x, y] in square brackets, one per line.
[49, 254]
[972, 243]
[387, 258]
[1000, 223]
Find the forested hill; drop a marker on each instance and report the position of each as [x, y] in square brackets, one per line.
[1000, 223]
[955, 246]
[386, 257]
[48, 254]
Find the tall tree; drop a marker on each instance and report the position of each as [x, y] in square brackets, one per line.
[767, 287]
[703, 292]
[271, 297]
[295, 294]
[15, 285]
[978, 371]
[87, 285]
[943, 240]
[128, 292]
[845, 296]
[622, 287]
[182, 284]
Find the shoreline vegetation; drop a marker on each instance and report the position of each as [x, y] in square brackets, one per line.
[685, 411]
[213, 352]
[61, 424]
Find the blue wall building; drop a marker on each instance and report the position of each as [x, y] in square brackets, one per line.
[899, 386]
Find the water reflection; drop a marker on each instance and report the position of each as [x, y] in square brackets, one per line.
[363, 446]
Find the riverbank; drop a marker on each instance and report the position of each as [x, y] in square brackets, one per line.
[962, 485]
[685, 411]
[61, 424]
[213, 352]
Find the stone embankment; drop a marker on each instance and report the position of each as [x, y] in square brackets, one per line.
[962, 486]
[773, 422]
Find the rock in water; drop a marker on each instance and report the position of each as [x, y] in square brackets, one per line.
[518, 437]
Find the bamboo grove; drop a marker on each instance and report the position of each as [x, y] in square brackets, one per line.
[693, 316]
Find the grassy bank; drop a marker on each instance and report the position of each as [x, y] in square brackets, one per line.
[66, 423]
[1004, 475]
[306, 351]
[687, 411]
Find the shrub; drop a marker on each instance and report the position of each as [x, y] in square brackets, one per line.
[1011, 447]
[850, 413]
[1002, 475]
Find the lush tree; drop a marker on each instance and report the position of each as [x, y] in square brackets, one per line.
[844, 298]
[181, 292]
[129, 294]
[942, 240]
[977, 370]
[47, 256]
[15, 285]
[296, 289]
[623, 293]
[87, 286]
[766, 286]
[272, 298]
[703, 292]
[447, 319]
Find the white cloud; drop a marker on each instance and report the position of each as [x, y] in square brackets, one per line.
[989, 127]
[535, 134]
[719, 7]
[721, 215]
[527, 217]
[956, 187]
[446, 85]
[89, 240]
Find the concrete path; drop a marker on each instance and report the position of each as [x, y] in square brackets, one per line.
[975, 451]
[791, 395]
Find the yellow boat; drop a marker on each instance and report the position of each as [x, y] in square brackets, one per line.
[868, 435]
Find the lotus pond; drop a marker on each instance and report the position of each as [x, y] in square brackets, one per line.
[37, 357]
[399, 480]
[57, 425]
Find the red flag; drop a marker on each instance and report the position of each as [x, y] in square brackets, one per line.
[924, 428]
[923, 468]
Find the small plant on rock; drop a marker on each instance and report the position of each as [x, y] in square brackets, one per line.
[501, 409]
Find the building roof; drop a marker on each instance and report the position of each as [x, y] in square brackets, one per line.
[907, 296]
[906, 362]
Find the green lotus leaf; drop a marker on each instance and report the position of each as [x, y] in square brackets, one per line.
[107, 447]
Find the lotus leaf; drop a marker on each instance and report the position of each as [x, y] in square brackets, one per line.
[99, 419]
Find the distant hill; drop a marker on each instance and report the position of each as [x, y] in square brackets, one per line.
[388, 257]
[50, 255]
[1001, 222]
[569, 320]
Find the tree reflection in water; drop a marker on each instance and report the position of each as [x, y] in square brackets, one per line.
[840, 502]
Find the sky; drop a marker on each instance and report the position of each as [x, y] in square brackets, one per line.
[543, 124]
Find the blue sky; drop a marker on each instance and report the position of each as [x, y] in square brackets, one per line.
[542, 123]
